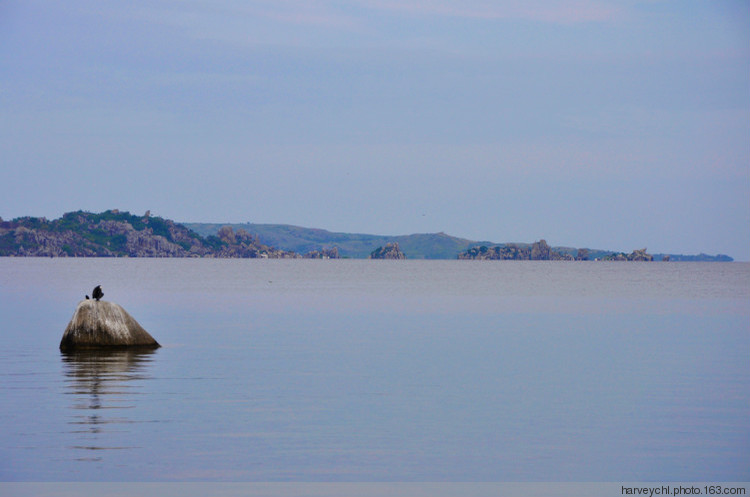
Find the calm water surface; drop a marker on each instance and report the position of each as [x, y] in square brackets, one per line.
[304, 370]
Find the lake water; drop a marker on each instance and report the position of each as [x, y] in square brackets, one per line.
[350, 370]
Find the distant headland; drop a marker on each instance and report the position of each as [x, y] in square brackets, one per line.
[115, 233]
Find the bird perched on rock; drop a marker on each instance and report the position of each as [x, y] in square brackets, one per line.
[97, 293]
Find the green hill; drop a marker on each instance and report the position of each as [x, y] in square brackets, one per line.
[417, 246]
[351, 245]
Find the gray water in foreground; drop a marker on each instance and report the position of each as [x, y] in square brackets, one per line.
[302, 370]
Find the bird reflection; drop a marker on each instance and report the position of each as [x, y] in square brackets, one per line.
[103, 385]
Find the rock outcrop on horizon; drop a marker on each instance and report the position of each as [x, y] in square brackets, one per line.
[243, 245]
[635, 255]
[389, 251]
[538, 251]
[325, 253]
[121, 234]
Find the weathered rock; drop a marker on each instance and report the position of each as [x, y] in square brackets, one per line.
[104, 325]
[390, 251]
[540, 251]
[324, 253]
[640, 255]
[560, 256]
[636, 255]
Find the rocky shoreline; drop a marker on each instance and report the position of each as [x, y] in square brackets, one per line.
[115, 233]
[121, 234]
[541, 251]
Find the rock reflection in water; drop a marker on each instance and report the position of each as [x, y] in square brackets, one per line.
[104, 385]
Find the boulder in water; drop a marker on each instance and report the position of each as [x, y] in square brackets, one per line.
[97, 324]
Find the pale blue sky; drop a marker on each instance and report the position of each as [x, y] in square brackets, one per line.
[613, 125]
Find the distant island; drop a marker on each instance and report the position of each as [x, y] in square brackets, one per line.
[426, 245]
[115, 233]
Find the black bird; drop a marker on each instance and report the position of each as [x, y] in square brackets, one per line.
[97, 293]
[87, 297]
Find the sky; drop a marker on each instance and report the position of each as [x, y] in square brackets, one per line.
[605, 124]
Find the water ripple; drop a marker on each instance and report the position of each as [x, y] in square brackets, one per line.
[102, 385]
